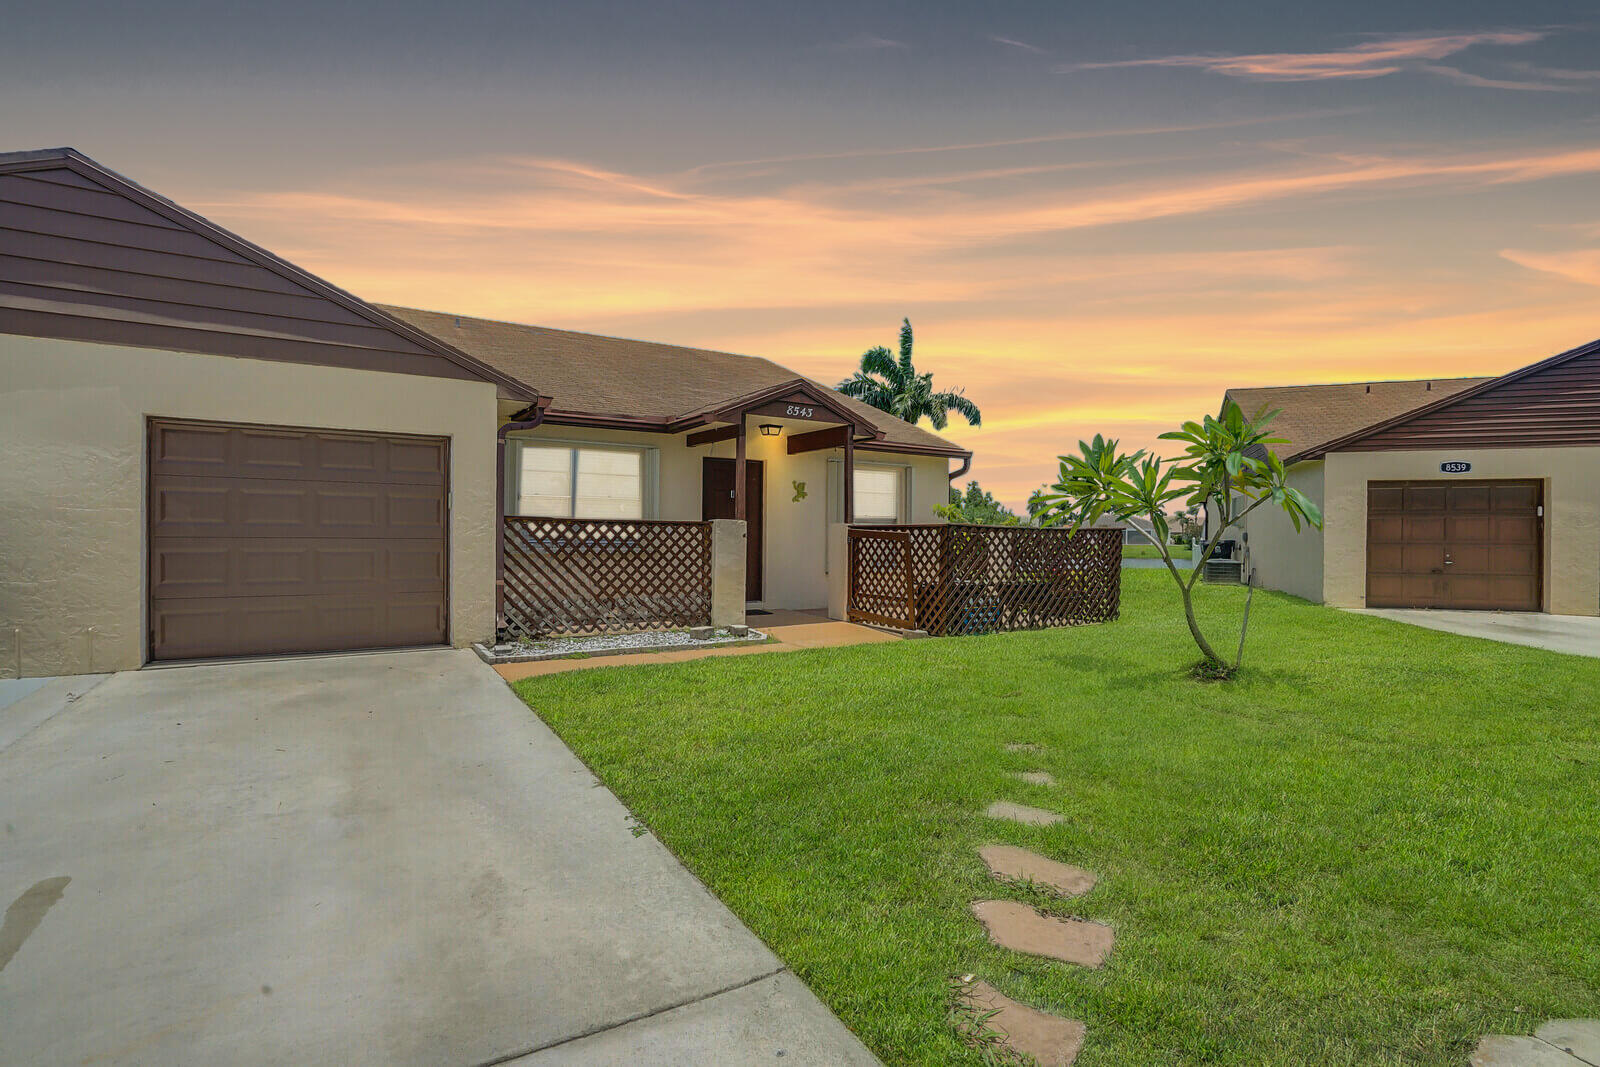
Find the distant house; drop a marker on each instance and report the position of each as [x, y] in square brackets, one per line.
[1473, 493]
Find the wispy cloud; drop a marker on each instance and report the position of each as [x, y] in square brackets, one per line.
[1370, 59]
[866, 42]
[1462, 77]
[1015, 142]
[1012, 42]
[1582, 265]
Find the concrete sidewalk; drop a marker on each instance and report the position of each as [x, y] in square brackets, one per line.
[1577, 635]
[380, 859]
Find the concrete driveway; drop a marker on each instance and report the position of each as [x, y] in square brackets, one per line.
[1577, 635]
[378, 859]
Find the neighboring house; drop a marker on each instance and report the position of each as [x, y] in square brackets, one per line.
[652, 431]
[1473, 493]
[210, 452]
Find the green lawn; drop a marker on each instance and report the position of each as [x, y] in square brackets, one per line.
[1148, 552]
[1376, 845]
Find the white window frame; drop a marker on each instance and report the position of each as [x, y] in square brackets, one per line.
[649, 470]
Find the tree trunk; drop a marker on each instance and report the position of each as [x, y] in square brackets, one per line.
[1194, 627]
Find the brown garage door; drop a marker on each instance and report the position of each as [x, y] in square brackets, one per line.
[268, 539]
[1466, 544]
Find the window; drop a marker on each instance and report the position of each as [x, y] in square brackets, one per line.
[577, 482]
[880, 492]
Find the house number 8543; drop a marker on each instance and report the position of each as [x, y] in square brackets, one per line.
[799, 412]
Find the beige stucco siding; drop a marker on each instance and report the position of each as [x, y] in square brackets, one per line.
[1571, 479]
[1276, 555]
[72, 487]
[796, 531]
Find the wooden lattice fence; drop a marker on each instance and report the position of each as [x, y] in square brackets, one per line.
[960, 579]
[584, 576]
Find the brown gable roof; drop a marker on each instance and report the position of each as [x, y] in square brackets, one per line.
[1311, 415]
[1553, 402]
[87, 255]
[616, 381]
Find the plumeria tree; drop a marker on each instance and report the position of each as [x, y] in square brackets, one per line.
[1227, 465]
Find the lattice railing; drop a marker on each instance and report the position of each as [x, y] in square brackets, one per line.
[959, 579]
[580, 576]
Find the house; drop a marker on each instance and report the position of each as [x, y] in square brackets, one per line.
[211, 452]
[652, 431]
[1470, 493]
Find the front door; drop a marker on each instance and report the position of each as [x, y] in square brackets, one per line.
[1459, 544]
[716, 502]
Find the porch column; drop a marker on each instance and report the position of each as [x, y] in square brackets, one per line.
[738, 472]
[849, 474]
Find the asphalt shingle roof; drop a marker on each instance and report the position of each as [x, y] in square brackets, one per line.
[596, 375]
[1311, 415]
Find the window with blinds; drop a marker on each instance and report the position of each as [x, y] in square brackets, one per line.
[575, 482]
[880, 493]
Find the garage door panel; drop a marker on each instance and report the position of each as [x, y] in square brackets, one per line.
[1524, 497]
[190, 507]
[204, 567]
[1467, 498]
[277, 540]
[1386, 528]
[196, 629]
[1423, 528]
[1466, 529]
[1387, 558]
[202, 450]
[1425, 498]
[1515, 529]
[1424, 559]
[1459, 545]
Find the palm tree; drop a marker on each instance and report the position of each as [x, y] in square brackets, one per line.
[893, 385]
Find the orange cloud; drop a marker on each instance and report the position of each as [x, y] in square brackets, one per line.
[1373, 59]
[1579, 266]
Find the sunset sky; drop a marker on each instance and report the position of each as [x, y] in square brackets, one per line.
[1097, 216]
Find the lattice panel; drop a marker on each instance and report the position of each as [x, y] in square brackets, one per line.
[881, 578]
[980, 579]
[576, 576]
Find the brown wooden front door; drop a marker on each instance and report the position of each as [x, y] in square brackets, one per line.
[271, 539]
[1457, 544]
[716, 502]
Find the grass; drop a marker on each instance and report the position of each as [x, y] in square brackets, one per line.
[1375, 845]
[1146, 552]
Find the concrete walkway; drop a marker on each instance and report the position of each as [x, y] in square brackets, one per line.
[790, 632]
[380, 859]
[1577, 635]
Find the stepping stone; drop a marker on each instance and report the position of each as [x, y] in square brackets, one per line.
[1035, 777]
[1015, 864]
[1004, 809]
[1581, 1037]
[1022, 929]
[1051, 1040]
[1498, 1050]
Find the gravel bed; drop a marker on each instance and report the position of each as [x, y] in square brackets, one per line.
[611, 645]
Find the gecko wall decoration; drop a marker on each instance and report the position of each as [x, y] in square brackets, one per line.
[799, 491]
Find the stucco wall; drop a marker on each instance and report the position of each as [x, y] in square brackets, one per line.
[1278, 556]
[1572, 515]
[72, 486]
[796, 531]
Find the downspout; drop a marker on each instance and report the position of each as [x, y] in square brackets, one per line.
[966, 465]
[519, 423]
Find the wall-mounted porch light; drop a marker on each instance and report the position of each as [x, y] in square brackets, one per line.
[770, 429]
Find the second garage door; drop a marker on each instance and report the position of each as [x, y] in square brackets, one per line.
[268, 540]
[1459, 544]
